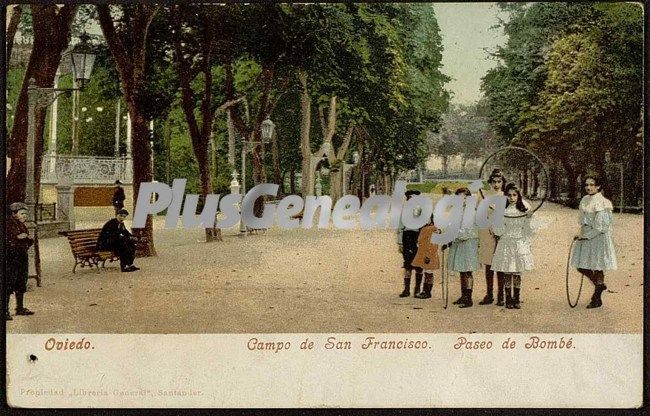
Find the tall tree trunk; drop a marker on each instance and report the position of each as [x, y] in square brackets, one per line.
[337, 178]
[524, 183]
[168, 150]
[128, 47]
[12, 28]
[200, 134]
[307, 177]
[52, 30]
[141, 151]
[275, 155]
[445, 166]
[231, 138]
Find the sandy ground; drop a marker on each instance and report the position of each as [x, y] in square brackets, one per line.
[319, 281]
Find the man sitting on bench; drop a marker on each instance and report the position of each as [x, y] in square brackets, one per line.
[116, 238]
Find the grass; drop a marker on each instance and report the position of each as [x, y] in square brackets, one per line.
[435, 187]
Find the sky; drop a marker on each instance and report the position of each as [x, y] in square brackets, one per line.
[465, 30]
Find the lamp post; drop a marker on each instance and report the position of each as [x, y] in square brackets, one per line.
[608, 160]
[267, 129]
[81, 60]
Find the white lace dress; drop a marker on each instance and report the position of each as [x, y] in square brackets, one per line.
[513, 252]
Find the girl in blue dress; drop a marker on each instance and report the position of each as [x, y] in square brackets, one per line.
[463, 258]
[593, 252]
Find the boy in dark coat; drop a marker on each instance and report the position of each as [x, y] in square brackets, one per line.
[18, 242]
[116, 238]
[407, 242]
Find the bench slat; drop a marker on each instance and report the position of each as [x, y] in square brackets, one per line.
[84, 246]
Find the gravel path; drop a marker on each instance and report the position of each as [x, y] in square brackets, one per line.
[318, 281]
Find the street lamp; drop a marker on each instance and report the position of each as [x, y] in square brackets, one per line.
[267, 129]
[78, 60]
[82, 60]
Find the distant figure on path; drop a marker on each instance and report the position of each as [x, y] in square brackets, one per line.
[116, 238]
[118, 196]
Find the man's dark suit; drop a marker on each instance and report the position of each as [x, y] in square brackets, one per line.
[115, 237]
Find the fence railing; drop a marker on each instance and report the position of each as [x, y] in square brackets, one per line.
[85, 169]
[45, 212]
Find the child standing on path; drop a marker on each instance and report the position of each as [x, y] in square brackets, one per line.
[407, 241]
[427, 258]
[18, 242]
[513, 254]
[594, 249]
[463, 258]
[488, 243]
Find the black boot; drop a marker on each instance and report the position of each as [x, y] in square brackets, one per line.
[487, 300]
[499, 289]
[515, 300]
[596, 301]
[20, 308]
[407, 286]
[489, 283]
[462, 297]
[426, 291]
[468, 300]
[418, 281]
[509, 300]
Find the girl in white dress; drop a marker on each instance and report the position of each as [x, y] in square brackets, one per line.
[513, 254]
[594, 249]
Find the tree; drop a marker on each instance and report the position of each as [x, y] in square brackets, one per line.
[125, 31]
[52, 26]
[445, 143]
[194, 37]
[12, 27]
[569, 86]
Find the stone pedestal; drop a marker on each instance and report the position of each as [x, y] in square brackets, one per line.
[234, 184]
[65, 203]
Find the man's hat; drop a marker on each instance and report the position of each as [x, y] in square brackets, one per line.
[117, 182]
[411, 192]
[17, 206]
[122, 212]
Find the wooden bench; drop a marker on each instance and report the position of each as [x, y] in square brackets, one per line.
[84, 249]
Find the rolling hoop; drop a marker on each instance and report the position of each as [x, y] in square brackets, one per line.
[507, 148]
[582, 279]
[445, 282]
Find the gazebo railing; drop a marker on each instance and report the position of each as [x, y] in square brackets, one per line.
[86, 169]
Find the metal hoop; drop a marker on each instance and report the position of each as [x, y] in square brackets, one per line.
[548, 181]
[445, 282]
[582, 279]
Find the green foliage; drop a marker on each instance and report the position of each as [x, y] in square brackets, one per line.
[569, 85]
[381, 61]
[436, 187]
